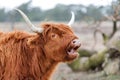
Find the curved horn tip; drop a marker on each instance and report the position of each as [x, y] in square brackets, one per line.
[33, 28]
[72, 12]
[72, 19]
[16, 9]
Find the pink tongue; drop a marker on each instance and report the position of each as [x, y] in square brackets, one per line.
[71, 51]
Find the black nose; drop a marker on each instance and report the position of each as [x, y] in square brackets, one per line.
[76, 42]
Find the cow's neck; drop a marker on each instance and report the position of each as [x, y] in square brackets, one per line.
[42, 66]
[48, 68]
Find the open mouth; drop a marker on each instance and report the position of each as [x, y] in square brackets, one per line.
[73, 47]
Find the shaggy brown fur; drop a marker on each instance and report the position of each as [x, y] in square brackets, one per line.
[25, 56]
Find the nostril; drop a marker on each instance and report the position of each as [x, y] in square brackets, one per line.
[74, 41]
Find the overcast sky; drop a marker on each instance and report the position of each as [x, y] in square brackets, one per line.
[47, 4]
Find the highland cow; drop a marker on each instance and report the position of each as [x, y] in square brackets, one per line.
[27, 56]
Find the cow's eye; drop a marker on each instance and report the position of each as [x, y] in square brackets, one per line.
[53, 35]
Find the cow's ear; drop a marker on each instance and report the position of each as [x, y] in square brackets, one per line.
[47, 25]
[32, 42]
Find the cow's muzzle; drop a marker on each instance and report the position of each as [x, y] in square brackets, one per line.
[73, 47]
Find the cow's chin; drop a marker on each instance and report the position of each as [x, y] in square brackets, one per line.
[73, 54]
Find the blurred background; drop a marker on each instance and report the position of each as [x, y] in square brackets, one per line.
[97, 25]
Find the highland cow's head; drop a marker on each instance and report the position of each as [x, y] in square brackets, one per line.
[60, 43]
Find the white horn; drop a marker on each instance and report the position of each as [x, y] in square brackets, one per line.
[72, 19]
[33, 28]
